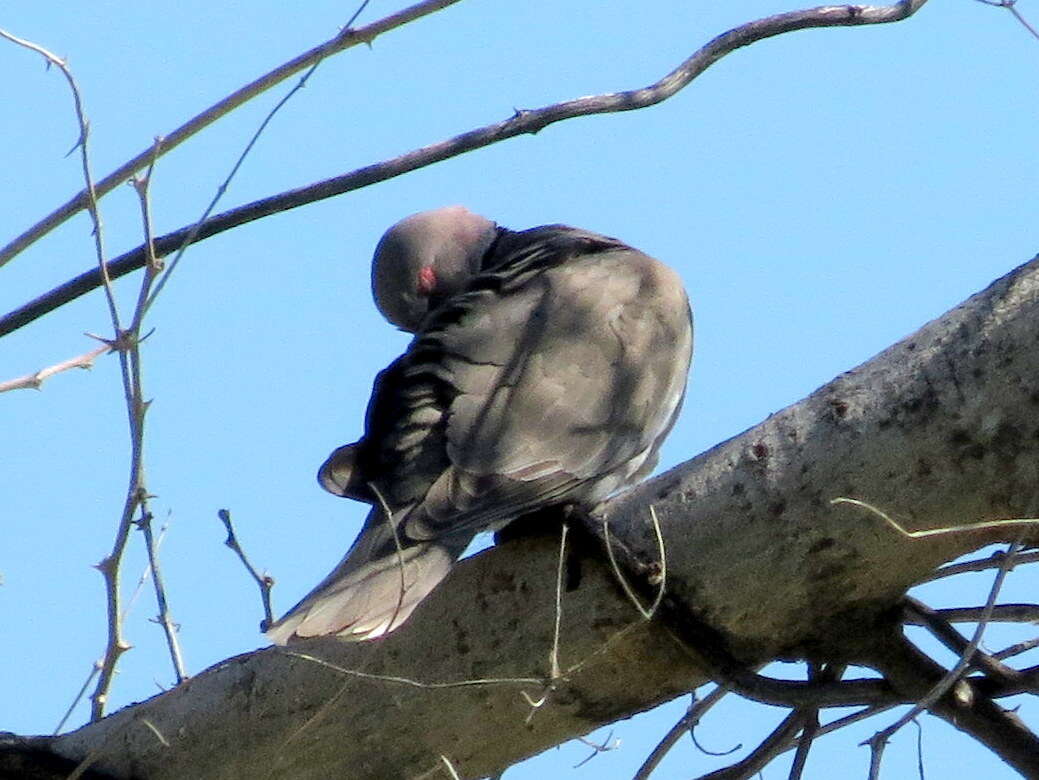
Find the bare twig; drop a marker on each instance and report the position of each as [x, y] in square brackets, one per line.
[847, 720]
[226, 183]
[1017, 649]
[810, 728]
[263, 581]
[601, 747]
[89, 194]
[707, 752]
[345, 39]
[919, 748]
[96, 666]
[1001, 613]
[804, 743]
[1011, 5]
[222, 189]
[697, 709]
[769, 748]
[127, 342]
[520, 123]
[35, 380]
[942, 630]
[164, 619]
[993, 561]
[94, 669]
[879, 740]
[145, 575]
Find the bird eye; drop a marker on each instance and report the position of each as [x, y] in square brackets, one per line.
[427, 280]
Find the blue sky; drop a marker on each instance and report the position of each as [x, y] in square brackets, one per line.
[822, 195]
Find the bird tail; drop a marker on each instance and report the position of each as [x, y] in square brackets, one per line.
[373, 589]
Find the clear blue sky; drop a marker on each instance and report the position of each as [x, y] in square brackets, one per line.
[822, 194]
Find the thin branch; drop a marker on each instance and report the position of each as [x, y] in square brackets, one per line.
[969, 708]
[945, 633]
[222, 188]
[810, 729]
[89, 194]
[145, 575]
[879, 740]
[1016, 649]
[164, 619]
[919, 749]
[345, 39]
[809, 732]
[520, 123]
[1001, 613]
[604, 747]
[769, 748]
[128, 344]
[263, 581]
[1011, 5]
[847, 720]
[993, 561]
[94, 669]
[35, 380]
[697, 709]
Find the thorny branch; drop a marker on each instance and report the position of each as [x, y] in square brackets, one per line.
[520, 123]
[89, 195]
[127, 342]
[109, 567]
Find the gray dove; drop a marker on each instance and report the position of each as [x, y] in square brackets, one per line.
[546, 369]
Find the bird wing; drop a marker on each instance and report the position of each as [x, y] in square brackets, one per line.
[565, 366]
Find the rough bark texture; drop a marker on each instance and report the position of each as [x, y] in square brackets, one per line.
[275, 714]
[939, 430]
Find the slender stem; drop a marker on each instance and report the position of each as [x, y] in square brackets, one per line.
[264, 581]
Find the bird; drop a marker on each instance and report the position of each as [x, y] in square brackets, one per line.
[547, 366]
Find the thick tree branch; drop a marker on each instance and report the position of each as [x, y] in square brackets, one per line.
[939, 429]
[522, 122]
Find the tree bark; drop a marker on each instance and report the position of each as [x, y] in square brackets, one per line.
[939, 430]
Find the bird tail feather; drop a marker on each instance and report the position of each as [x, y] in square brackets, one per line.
[372, 591]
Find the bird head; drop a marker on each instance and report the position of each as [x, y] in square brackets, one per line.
[425, 258]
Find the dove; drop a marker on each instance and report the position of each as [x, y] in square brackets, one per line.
[547, 367]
